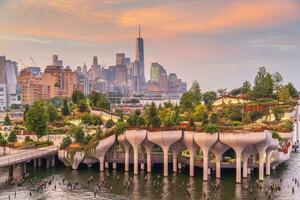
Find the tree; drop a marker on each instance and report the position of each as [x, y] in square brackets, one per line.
[25, 111]
[186, 101]
[209, 98]
[292, 90]
[211, 128]
[37, 119]
[278, 113]
[66, 142]
[65, 109]
[3, 141]
[213, 118]
[7, 121]
[140, 121]
[82, 105]
[12, 137]
[77, 96]
[199, 110]
[52, 112]
[120, 127]
[263, 84]
[246, 88]
[90, 119]
[222, 92]
[153, 119]
[132, 120]
[283, 94]
[196, 92]
[77, 133]
[277, 79]
[99, 101]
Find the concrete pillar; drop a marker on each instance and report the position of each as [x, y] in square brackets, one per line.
[135, 160]
[135, 138]
[248, 151]
[166, 160]
[34, 163]
[192, 162]
[101, 164]
[114, 165]
[261, 166]
[245, 168]
[148, 147]
[218, 149]
[205, 165]
[24, 168]
[174, 155]
[106, 165]
[238, 142]
[126, 159]
[179, 166]
[268, 163]
[218, 166]
[188, 141]
[53, 161]
[39, 162]
[238, 166]
[142, 166]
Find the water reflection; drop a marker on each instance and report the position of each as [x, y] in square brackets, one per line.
[116, 184]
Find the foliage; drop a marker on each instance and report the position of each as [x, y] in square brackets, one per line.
[52, 112]
[288, 125]
[12, 137]
[167, 116]
[87, 139]
[37, 119]
[77, 133]
[77, 96]
[132, 120]
[278, 113]
[140, 121]
[152, 117]
[66, 142]
[292, 90]
[209, 98]
[26, 109]
[99, 101]
[65, 111]
[283, 94]
[204, 118]
[214, 118]
[28, 139]
[110, 123]
[276, 135]
[186, 102]
[119, 113]
[195, 93]
[7, 121]
[3, 141]
[263, 84]
[199, 111]
[83, 105]
[99, 134]
[246, 88]
[90, 119]
[211, 128]
[120, 127]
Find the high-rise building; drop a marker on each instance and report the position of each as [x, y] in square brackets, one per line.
[156, 71]
[121, 75]
[120, 57]
[140, 58]
[9, 93]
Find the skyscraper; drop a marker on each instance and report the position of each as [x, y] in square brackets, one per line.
[140, 58]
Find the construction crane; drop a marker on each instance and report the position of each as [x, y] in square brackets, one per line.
[23, 65]
[33, 61]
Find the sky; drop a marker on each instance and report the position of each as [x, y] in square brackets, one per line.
[220, 43]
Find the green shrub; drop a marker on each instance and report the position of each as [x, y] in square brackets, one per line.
[278, 113]
[90, 119]
[288, 125]
[276, 135]
[28, 139]
[12, 137]
[110, 123]
[120, 127]
[66, 142]
[3, 141]
[87, 139]
[214, 118]
[141, 121]
[211, 128]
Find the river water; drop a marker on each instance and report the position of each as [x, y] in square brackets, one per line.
[153, 187]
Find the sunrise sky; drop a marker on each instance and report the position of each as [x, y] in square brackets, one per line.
[218, 42]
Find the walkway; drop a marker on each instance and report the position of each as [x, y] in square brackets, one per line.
[27, 155]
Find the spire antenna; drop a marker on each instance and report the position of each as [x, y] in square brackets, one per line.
[139, 31]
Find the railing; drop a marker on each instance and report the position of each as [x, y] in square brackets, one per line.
[23, 156]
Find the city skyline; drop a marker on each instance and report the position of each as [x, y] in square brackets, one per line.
[225, 39]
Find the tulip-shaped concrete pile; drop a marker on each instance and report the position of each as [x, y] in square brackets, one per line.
[218, 150]
[165, 139]
[103, 146]
[135, 138]
[122, 140]
[62, 157]
[188, 140]
[238, 142]
[274, 144]
[176, 148]
[148, 147]
[205, 141]
[248, 151]
[261, 150]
